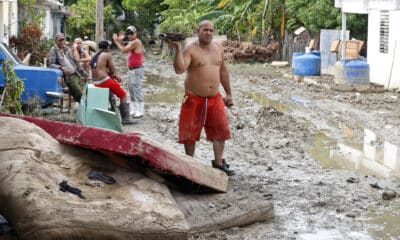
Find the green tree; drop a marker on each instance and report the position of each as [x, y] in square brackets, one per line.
[322, 14]
[34, 15]
[82, 22]
[143, 14]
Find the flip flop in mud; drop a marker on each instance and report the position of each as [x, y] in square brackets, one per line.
[94, 175]
[214, 163]
[224, 167]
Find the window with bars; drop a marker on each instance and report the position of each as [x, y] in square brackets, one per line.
[384, 32]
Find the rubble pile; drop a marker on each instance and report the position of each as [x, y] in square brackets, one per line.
[237, 52]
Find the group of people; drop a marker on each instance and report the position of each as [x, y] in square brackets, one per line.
[202, 106]
[78, 66]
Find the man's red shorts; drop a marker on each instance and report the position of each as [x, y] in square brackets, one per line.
[198, 112]
[114, 87]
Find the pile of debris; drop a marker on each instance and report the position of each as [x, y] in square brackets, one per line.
[237, 52]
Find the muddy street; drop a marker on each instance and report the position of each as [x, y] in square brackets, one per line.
[323, 157]
[327, 160]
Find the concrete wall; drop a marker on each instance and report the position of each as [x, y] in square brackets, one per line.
[362, 6]
[52, 21]
[352, 6]
[328, 58]
[384, 67]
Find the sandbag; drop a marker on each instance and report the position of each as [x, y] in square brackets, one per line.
[32, 164]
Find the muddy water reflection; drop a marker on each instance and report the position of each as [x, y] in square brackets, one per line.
[372, 156]
[167, 90]
[263, 100]
[389, 222]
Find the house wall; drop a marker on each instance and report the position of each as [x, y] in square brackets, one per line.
[384, 67]
[53, 16]
[8, 19]
[352, 6]
[47, 25]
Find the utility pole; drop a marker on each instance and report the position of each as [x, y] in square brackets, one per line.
[99, 21]
[344, 37]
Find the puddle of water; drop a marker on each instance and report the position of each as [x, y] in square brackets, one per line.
[170, 92]
[263, 100]
[388, 221]
[369, 155]
[372, 156]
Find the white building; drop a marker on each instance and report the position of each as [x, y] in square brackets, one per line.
[8, 19]
[383, 43]
[54, 19]
[11, 14]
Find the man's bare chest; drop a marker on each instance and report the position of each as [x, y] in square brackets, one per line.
[206, 59]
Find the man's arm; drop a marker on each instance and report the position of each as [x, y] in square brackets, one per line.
[225, 82]
[75, 51]
[120, 45]
[53, 59]
[85, 57]
[182, 58]
[111, 67]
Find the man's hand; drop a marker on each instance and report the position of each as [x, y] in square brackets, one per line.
[174, 43]
[228, 101]
[117, 78]
[118, 38]
[115, 37]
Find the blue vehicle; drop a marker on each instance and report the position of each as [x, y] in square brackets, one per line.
[43, 85]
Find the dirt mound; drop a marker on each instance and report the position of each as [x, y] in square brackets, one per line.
[237, 52]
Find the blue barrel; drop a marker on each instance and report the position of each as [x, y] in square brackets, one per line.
[316, 53]
[355, 71]
[296, 54]
[308, 64]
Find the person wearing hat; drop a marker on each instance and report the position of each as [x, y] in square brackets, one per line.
[62, 57]
[135, 65]
[104, 75]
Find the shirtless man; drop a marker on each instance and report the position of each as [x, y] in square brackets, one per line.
[203, 105]
[103, 75]
[80, 55]
[135, 68]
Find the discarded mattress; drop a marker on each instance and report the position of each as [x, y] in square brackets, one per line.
[33, 164]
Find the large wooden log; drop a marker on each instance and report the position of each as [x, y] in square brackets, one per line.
[226, 210]
[164, 159]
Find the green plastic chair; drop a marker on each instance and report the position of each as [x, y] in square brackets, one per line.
[96, 110]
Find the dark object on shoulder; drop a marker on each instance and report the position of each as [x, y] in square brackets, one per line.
[172, 36]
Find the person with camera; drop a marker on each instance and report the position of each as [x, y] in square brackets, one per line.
[134, 48]
[203, 105]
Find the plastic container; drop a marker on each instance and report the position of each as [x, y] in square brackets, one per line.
[308, 64]
[296, 54]
[352, 71]
[316, 53]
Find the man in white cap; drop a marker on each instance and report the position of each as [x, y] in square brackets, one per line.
[135, 65]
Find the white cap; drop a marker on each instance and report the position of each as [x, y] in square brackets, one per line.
[131, 28]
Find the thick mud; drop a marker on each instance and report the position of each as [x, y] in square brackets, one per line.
[328, 160]
[325, 158]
